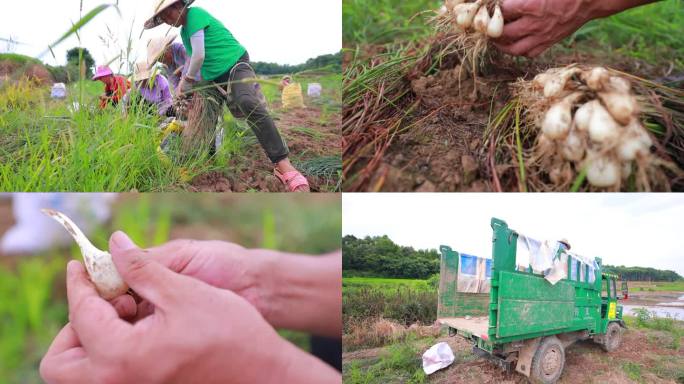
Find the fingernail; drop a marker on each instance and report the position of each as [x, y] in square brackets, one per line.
[122, 242]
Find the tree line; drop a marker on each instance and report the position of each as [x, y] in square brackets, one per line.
[642, 273]
[332, 62]
[379, 256]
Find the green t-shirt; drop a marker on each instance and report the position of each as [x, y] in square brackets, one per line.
[221, 50]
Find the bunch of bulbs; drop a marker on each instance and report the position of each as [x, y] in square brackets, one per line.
[475, 16]
[604, 133]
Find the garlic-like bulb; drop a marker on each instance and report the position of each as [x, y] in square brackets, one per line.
[98, 263]
[602, 127]
[621, 106]
[465, 13]
[496, 24]
[602, 171]
[481, 20]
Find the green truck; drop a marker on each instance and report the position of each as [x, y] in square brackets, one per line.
[524, 322]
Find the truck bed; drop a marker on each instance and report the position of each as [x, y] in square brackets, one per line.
[477, 326]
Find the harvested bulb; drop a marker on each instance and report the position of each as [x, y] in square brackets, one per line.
[98, 263]
[604, 134]
[602, 171]
[495, 27]
[476, 16]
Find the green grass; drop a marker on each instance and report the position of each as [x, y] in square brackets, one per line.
[32, 293]
[44, 146]
[384, 283]
[677, 286]
[384, 21]
[19, 59]
[651, 33]
[674, 329]
[399, 363]
[633, 371]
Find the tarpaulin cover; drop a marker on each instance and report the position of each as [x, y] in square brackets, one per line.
[474, 274]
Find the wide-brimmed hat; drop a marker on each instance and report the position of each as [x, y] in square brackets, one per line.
[566, 242]
[142, 71]
[159, 7]
[157, 46]
[102, 71]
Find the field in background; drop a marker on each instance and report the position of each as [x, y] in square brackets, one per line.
[32, 292]
[638, 286]
[388, 325]
[48, 145]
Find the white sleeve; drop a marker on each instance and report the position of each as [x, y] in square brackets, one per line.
[197, 59]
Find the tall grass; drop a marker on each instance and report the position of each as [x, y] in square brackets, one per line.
[47, 146]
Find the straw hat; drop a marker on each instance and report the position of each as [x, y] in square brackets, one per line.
[159, 7]
[102, 71]
[566, 242]
[142, 72]
[157, 46]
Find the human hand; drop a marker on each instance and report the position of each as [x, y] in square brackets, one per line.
[533, 26]
[290, 291]
[196, 333]
[220, 264]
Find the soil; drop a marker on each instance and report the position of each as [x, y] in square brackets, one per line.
[585, 362]
[254, 172]
[35, 72]
[443, 150]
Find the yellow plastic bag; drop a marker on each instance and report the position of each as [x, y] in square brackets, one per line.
[293, 97]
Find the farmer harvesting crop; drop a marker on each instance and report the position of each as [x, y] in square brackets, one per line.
[173, 55]
[224, 65]
[152, 88]
[115, 86]
[207, 313]
[533, 26]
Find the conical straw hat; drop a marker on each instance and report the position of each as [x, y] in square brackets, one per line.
[157, 46]
[159, 7]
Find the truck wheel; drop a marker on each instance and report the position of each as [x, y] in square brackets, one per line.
[548, 361]
[612, 338]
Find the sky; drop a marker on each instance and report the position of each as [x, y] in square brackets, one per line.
[285, 32]
[622, 229]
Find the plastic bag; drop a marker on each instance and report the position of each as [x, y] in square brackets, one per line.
[439, 356]
[59, 91]
[314, 90]
[292, 96]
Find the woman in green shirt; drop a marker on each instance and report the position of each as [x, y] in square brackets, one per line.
[223, 61]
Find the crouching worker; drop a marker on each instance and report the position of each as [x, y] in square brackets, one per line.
[224, 66]
[115, 86]
[164, 50]
[151, 91]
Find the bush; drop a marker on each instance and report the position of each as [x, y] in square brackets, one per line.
[407, 306]
[65, 73]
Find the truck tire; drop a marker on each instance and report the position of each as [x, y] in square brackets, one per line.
[548, 361]
[611, 340]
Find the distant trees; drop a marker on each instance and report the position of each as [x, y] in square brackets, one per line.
[642, 273]
[72, 71]
[334, 62]
[72, 60]
[379, 256]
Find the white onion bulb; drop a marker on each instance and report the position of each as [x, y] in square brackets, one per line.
[481, 20]
[622, 107]
[495, 27]
[602, 127]
[465, 13]
[583, 115]
[602, 172]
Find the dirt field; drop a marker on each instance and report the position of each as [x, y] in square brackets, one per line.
[252, 171]
[443, 149]
[643, 357]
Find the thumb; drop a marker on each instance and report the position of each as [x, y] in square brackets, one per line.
[148, 278]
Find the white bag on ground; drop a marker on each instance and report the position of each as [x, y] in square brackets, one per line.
[59, 91]
[437, 357]
[314, 90]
